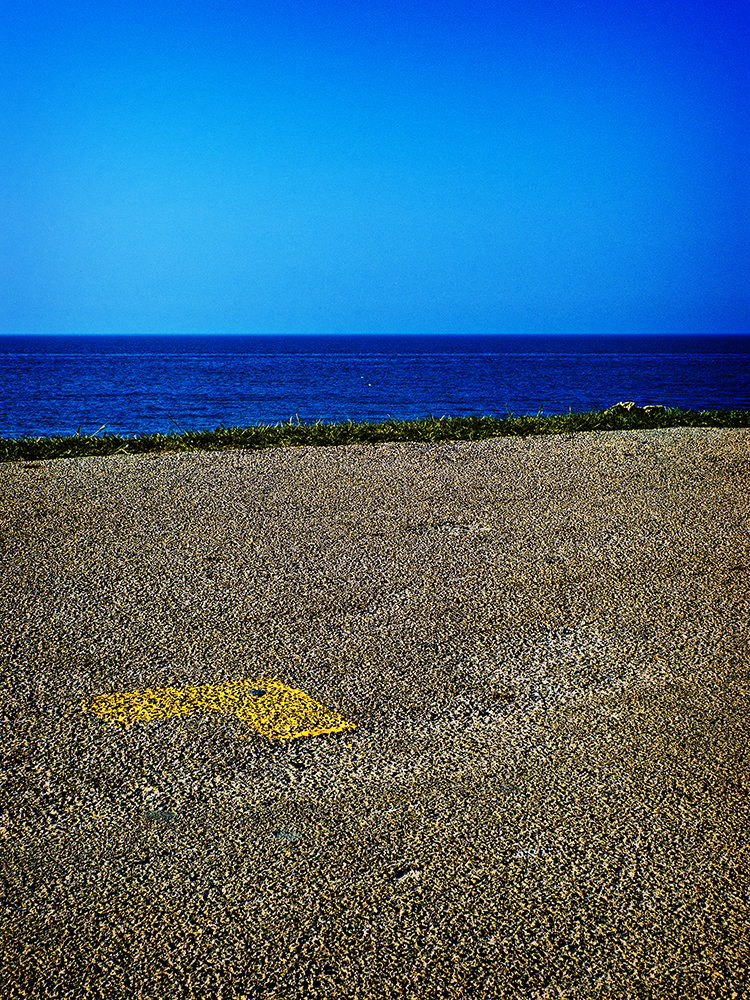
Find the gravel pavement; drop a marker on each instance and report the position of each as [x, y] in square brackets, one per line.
[543, 644]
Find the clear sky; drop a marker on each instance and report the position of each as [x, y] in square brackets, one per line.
[374, 167]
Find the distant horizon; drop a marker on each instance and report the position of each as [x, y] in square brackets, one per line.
[137, 384]
[586, 333]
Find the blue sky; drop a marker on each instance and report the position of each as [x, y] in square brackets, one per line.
[373, 167]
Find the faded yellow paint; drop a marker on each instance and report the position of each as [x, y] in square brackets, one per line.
[275, 710]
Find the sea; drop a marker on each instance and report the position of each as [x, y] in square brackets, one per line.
[135, 385]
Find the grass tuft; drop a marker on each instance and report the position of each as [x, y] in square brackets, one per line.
[320, 435]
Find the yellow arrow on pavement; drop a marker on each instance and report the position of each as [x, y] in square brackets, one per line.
[275, 710]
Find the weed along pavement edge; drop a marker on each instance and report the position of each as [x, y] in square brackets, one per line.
[273, 709]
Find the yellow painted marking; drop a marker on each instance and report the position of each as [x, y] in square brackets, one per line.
[275, 710]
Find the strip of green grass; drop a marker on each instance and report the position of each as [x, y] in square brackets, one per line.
[322, 435]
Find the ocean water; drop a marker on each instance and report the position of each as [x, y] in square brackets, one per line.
[132, 385]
